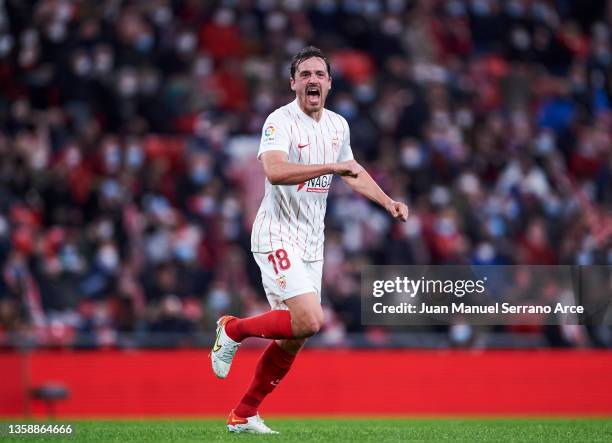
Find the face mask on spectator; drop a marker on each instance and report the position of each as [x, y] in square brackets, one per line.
[545, 143]
[224, 17]
[512, 209]
[162, 15]
[144, 43]
[186, 43]
[218, 299]
[602, 54]
[63, 11]
[481, 7]
[112, 158]
[552, 206]
[464, 118]
[111, 190]
[108, 258]
[157, 246]
[277, 21]
[128, 83]
[455, 8]
[412, 227]
[70, 259]
[230, 208]
[82, 65]
[200, 174]
[520, 38]
[57, 32]
[346, 108]
[365, 93]
[149, 82]
[446, 227]
[584, 258]
[264, 102]
[72, 157]
[515, 8]
[103, 60]
[293, 45]
[460, 333]
[412, 158]
[440, 196]
[391, 26]
[185, 252]
[6, 44]
[469, 184]
[326, 6]
[203, 66]
[3, 226]
[134, 156]
[105, 230]
[496, 227]
[485, 253]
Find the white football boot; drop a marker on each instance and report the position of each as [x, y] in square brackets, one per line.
[252, 425]
[223, 350]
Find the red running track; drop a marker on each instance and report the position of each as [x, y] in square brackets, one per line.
[180, 383]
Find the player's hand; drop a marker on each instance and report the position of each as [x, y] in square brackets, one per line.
[348, 168]
[398, 210]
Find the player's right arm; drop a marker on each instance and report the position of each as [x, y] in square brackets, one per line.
[279, 171]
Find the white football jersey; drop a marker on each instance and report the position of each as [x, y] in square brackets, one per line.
[294, 215]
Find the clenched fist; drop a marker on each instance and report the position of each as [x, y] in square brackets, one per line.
[398, 210]
[348, 168]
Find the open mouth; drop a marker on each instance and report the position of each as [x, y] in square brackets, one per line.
[313, 93]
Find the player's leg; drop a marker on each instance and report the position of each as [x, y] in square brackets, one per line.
[306, 315]
[301, 319]
[273, 365]
[276, 361]
[292, 346]
[300, 294]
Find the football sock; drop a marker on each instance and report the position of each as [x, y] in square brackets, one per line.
[273, 365]
[273, 324]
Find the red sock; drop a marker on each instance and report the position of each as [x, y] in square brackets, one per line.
[273, 324]
[273, 365]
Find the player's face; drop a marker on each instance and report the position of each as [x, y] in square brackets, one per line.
[311, 84]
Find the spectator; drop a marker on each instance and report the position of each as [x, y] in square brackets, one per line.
[127, 183]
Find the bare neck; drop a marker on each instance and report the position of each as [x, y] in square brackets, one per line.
[315, 115]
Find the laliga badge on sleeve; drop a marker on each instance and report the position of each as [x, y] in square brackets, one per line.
[269, 133]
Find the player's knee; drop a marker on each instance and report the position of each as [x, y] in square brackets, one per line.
[292, 346]
[311, 324]
[311, 328]
[306, 315]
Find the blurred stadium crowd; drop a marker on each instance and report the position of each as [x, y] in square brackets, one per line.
[128, 133]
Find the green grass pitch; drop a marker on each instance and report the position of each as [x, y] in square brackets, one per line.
[353, 430]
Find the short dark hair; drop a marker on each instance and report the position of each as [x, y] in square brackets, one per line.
[306, 53]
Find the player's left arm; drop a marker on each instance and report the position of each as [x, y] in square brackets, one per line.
[366, 186]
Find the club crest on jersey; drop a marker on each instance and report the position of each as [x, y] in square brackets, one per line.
[269, 133]
[281, 282]
[335, 143]
[317, 184]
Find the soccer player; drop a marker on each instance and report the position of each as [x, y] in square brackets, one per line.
[303, 146]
